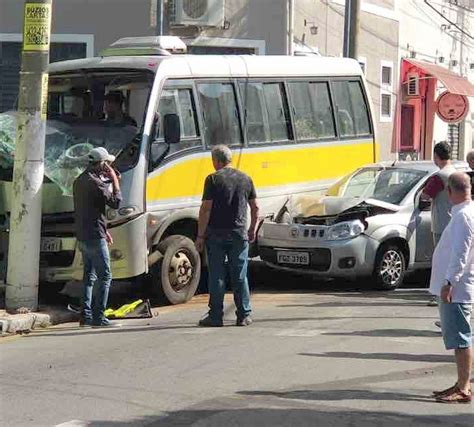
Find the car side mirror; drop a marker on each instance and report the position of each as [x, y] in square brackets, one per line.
[171, 129]
[424, 205]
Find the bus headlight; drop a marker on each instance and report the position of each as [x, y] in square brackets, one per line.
[346, 230]
[127, 210]
[111, 214]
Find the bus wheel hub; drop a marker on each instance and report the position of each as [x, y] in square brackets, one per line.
[181, 271]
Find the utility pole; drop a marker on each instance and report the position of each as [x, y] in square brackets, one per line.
[290, 30]
[28, 171]
[160, 17]
[462, 126]
[351, 28]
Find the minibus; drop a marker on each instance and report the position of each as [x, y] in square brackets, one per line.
[294, 124]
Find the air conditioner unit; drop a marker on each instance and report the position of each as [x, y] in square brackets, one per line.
[413, 85]
[201, 13]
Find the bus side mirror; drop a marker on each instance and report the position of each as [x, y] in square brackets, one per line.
[171, 129]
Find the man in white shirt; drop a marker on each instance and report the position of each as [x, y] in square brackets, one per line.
[452, 280]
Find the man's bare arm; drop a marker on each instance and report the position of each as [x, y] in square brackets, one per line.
[204, 215]
[254, 212]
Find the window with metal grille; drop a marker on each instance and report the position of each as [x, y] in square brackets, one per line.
[386, 105]
[386, 75]
[10, 63]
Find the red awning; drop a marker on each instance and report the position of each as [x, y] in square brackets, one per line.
[453, 82]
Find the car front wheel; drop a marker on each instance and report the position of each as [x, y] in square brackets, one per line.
[390, 267]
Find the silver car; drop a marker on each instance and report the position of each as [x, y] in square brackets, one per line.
[371, 223]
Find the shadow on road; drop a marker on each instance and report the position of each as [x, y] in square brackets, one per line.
[118, 330]
[388, 333]
[338, 395]
[275, 417]
[428, 358]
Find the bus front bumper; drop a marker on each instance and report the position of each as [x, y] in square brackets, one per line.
[128, 254]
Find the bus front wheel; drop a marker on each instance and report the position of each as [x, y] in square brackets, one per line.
[176, 275]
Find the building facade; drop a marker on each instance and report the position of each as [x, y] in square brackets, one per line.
[447, 29]
[389, 31]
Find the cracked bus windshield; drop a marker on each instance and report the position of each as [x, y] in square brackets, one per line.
[85, 110]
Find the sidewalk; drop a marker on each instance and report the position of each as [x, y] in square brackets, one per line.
[24, 322]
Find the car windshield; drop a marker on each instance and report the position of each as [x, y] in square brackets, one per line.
[388, 185]
[100, 109]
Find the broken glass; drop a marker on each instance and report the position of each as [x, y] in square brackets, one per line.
[67, 147]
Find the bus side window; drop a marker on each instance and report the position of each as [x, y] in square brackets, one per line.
[312, 110]
[352, 112]
[361, 111]
[267, 117]
[278, 111]
[220, 114]
[180, 102]
[255, 118]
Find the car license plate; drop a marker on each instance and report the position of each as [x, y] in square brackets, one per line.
[50, 245]
[301, 258]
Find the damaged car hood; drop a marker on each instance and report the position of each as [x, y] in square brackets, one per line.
[310, 206]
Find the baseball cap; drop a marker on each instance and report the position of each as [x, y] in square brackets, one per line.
[100, 154]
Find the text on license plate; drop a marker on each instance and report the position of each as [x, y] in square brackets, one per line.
[287, 257]
[50, 245]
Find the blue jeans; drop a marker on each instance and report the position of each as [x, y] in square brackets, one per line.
[236, 250]
[96, 259]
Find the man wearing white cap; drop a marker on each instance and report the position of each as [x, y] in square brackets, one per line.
[91, 196]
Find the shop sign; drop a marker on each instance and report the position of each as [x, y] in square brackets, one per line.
[451, 107]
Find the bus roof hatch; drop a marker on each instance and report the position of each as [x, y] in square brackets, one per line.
[146, 46]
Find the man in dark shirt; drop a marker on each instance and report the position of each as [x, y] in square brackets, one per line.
[223, 230]
[91, 195]
[113, 108]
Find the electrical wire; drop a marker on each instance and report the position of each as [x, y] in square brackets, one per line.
[448, 20]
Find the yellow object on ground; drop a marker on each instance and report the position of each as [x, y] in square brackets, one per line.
[122, 311]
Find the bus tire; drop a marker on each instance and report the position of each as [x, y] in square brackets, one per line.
[176, 276]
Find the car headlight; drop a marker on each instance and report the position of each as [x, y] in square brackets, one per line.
[345, 230]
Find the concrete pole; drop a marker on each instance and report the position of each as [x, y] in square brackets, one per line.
[25, 222]
[464, 143]
[290, 27]
[351, 28]
[160, 17]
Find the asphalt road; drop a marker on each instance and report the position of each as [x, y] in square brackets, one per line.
[317, 355]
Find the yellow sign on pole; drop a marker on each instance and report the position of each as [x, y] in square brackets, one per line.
[37, 27]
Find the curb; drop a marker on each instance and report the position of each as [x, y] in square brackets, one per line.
[23, 323]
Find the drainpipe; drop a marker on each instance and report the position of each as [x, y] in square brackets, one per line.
[351, 28]
[290, 30]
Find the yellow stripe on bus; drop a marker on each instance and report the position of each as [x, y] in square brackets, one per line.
[267, 168]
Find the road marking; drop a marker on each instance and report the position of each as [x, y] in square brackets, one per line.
[299, 333]
[194, 331]
[73, 423]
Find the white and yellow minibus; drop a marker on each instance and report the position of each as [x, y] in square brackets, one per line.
[295, 125]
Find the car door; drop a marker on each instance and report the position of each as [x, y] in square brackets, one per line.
[421, 224]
